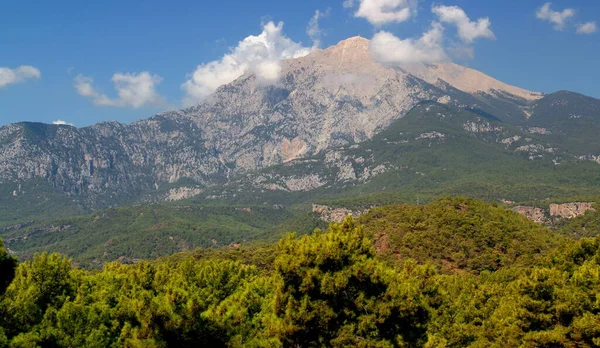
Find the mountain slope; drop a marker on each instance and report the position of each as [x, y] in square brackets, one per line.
[435, 150]
[571, 120]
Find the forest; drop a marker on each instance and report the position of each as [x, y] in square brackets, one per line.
[454, 273]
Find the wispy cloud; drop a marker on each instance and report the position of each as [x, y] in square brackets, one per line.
[259, 55]
[134, 90]
[587, 28]
[558, 18]
[313, 30]
[21, 74]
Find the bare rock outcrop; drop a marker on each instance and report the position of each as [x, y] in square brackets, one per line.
[534, 214]
[329, 214]
[561, 211]
[184, 192]
[570, 210]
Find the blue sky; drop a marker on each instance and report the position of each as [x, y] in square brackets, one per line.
[89, 43]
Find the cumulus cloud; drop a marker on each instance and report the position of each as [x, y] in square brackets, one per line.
[559, 19]
[468, 30]
[24, 72]
[587, 28]
[64, 123]
[259, 55]
[388, 49]
[133, 90]
[313, 30]
[432, 47]
[379, 12]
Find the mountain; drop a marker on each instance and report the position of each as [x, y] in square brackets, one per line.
[331, 99]
[571, 120]
[434, 150]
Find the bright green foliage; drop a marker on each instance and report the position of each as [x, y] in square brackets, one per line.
[7, 269]
[334, 292]
[458, 234]
[555, 305]
[329, 289]
[42, 283]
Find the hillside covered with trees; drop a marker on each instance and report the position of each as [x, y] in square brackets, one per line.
[454, 273]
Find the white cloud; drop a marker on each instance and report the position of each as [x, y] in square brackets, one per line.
[133, 90]
[468, 30]
[559, 19]
[24, 72]
[259, 55]
[391, 50]
[379, 12]
[313, 30]
[587, 28]
[61, 122]
[348, 3]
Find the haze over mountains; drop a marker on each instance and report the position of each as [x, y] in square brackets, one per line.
[297, 135]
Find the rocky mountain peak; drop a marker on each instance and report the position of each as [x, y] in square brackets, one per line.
[350, 51]
[353, 55]
[350, 55]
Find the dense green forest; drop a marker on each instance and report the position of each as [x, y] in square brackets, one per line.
[454, 273]
[152, 230]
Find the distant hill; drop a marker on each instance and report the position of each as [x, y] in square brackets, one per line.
[149, 231]
[458, 234]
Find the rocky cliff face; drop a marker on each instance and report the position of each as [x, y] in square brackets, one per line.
[555, 211]
[109, 159]
[330, 98]
[570, 210]
[534, 214]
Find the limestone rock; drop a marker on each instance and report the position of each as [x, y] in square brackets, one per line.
[532, 213]
[570, 210]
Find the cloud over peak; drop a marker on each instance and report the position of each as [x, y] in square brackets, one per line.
[559, 19]
[379, 12]
[431, 47]
[388, 49]
[62, 123]
[24, 72]
[468, 30]
[134, 90]
[259, 55]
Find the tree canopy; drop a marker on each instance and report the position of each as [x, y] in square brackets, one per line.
[333, 288]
